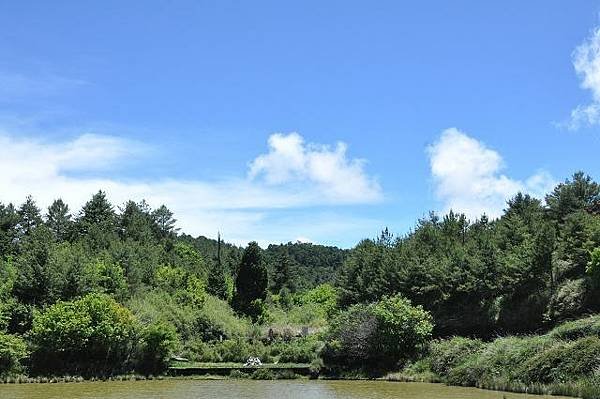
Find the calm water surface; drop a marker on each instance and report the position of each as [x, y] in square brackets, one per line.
[203, 389]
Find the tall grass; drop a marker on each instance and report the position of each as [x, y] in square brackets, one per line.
[566, 361]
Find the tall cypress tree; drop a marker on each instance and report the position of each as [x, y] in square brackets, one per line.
[252, 281]
[217, 278]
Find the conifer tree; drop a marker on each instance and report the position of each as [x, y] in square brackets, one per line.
[251, 282]
[283, 273]
[59, 219]
[217, 277]
[29, 217]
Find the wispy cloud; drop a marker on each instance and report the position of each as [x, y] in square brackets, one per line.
[467, 176]
[243, 207]
[586, 61]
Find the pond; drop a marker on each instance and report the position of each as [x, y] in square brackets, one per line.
[219, 389]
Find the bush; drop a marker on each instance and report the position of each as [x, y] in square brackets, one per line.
[302, 350]
[324, 295]
[286, 375]
[237, 350]
[12, 352]
[198, 351]
[401, 328]
[91, 335]
[158, 343]
[568, 301]
[377, 336]
[218, 320]
[161, 307]
[307, 314]
[350, 343]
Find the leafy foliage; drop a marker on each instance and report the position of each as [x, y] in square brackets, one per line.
[158, 343]
[13, 350]
[378, 335]
[92, 334]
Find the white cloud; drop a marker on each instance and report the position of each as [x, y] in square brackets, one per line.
[468, 177]
[338, 178]
[586, 61]
[291, 176]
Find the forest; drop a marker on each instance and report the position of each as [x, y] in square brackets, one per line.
[113, 289]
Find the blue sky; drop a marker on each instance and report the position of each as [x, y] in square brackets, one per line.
[277, 121]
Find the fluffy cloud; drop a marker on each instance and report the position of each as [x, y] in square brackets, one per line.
[340, 179]
[241, 206]
[468, 178]
[586, 60]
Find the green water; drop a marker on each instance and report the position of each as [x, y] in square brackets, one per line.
[206, 389]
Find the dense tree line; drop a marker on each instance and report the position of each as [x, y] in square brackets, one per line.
[534, 266]
[112, 289]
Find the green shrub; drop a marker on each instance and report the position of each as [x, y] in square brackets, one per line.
[306, 314]
[199, 351]
[13, 351]
[158, 343]
[469, 372]
[218, 320]
[401, 328]
[511, 361]
[237, 350]
[324, 295]
[302, 350]
[378, 336]
[160, 307]
[350, 342]
[91, 335]
[569, 299]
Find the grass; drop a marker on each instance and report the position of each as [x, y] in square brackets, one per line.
[565, 361]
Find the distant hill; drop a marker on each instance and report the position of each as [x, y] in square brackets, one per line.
[312, 264]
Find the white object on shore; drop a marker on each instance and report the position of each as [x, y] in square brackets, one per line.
[252, 361]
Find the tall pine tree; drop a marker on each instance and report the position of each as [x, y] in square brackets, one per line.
[59, 220]
[29, 217]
